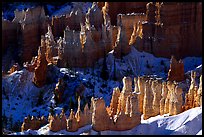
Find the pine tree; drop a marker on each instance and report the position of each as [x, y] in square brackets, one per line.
[71, 103]
[40, 98]
[52, 112]
[104, 71]
[114, 73]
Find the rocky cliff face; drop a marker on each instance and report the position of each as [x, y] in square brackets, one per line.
[116, 8]
[165, 22]
[9, 35]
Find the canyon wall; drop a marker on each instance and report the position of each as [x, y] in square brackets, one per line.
[165, 22]
[116, 8]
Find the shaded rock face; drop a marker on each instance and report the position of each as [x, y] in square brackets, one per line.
[33, 26]
[176, 71]
[164, 26]
[72, 20]
[194, 96]
[40, 72]
[116, 8]
[23, 33]
[9, 35]
[94, 16]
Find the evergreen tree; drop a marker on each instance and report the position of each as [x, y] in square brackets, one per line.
[52, 112]
[40, 98]
[114, 73]
[104, 71]
[71, 103]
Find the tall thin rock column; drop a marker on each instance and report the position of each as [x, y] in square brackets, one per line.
[148, 99]
[179, 100]
[199, 97]
[164, 96]
[156, 89]
[189, 99]
[171, 88]
[141, 87]
[166, 105]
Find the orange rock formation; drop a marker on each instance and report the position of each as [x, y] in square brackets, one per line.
[165, 22]
[176, 70]
[33, 123]
[40, 72]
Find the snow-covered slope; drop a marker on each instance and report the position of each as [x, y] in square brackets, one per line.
[143, 63]
[186, 123]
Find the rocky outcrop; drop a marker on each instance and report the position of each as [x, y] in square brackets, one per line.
[14, 68]
[199, 93]
[33, 123]
[148, 101]
[190, 99]
[56, 123]
[32, 65]
[176, 70]
[114, 102]
[124, 107]
[122, 47]
[123, 113]
[178, 103]
[116, 8]
[164, 96]
[175, 100]
[157, 90]
[40, 72]
[141, 86]
[131, 20]
[82, 48]
[59, 90]
[99, 112]
[33, 26]
[72, 124]
[136, 34]
[163, 26]
[94, 16]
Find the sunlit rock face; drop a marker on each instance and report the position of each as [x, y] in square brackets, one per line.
[33, 123]
[40, 71]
